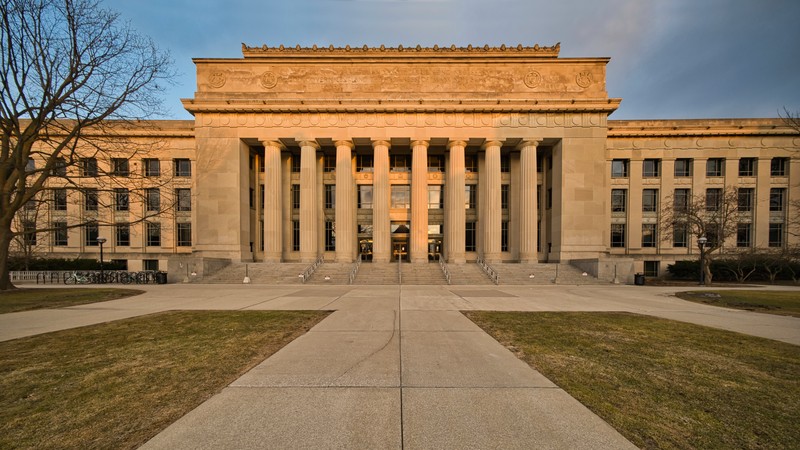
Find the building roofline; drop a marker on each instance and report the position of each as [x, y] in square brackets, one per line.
[700, 127]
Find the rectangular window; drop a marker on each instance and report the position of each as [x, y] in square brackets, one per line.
[60, 235]
[329, 164]
[713, 199]
[618, 200]
[401, 196]
[435, 163]
[683, 167]
[777, 167]
[330, 236]
[59, 199]
[650, 200]
[651, 268]
[183, 234]
[776, 235]
[436, 197]
[152, 167]
[261, 196]
[649, 238]
[122, 234]
[90, 233]
[777, 198]
[747, 167]
[505, 163]
[681, 199]
[504, 236]
[746, 196]
[470, 196]
[296, 235]
[715, 167]
[90, 199]
[152, 199]
[617, 235]
[471, 163]
[60, 168]
[88, 167]
[183, 167]
[743, 235]
[295, 196]
[365, 196]
[153, 234]
[364, 163]
[120, 167]
[549, 198]
[399, 163]
[469, 241]
[680, 236]
[252, 198]
[295, 163]
[121, 199]
[651, 168]
[619, 168]
[29, 233]
[503, 196]
[330, 196]
[183, 197]
[150, 264]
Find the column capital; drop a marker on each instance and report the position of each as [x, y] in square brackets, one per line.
[309, 143]
[492, 143]
[456, 143]
[420, 142]
[272, 143]
[381, 142]
[529, 143]
[344, 143]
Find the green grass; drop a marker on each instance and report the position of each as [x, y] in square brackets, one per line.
[29, 299]
[784, 303]
[663, 384]
[115, 385]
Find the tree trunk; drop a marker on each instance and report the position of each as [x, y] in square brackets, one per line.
[707, 271]
[5, 243]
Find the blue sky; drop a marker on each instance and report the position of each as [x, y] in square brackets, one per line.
[669, 58]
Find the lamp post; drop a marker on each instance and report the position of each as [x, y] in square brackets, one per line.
[101, 241]
[701, 242]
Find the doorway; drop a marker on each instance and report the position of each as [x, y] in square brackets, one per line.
[400, 249]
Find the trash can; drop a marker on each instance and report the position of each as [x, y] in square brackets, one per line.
[161, 277]
[638, 279]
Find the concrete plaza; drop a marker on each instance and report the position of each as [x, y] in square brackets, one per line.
[396, 366]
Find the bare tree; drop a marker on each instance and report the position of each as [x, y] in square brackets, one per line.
[791, 119]
[713, 215]
[69, 68]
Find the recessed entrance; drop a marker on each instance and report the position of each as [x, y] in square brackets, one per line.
[400, 249]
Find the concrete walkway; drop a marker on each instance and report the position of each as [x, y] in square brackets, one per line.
[396, 367]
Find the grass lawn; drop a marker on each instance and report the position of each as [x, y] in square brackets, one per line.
[115, 385]
[784, 303]
[663, 384]
[28, 299]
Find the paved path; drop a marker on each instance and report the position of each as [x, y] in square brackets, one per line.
[396, 367]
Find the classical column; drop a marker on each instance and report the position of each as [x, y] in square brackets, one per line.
[528, 214]
[273, 193]
[345, 203]
[455, 209]
[308, 201]
[492, 216]
[381, 234]
[419, 202]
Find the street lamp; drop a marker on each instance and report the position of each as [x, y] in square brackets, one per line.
[701, 242]
[101, 241]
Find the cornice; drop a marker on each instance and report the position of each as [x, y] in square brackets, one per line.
[470, 51]
[699, 127]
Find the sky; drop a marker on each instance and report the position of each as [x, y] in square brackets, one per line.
[670, 59]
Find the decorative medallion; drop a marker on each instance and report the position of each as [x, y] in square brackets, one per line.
[584, 79]
[268, 80]
[533, 79]
[217, 80]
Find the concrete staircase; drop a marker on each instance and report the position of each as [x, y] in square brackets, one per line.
[468, 273]
[423, 273]
[260, 273]
[337, 273]
[543, 273]
[376, 273]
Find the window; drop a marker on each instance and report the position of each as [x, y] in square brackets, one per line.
[618, 200]
[152, 167]
[60, 235]
[90, 200]
[743, 235]
[153, 234]
[436, 197]
[183, 198]
[330, 196]
[777, 167]
[683, 167]
[31, 204]
[471, 196]
[619, 168]
[650, 200]
[471, 163]
[401, 196]
[29, 233]
[295, 163]
[680, 236]
[747, 167]
[776, 235]
[90, 233]
[183, 234]
[122, 234]
[651, 268]
[651, 168]
[364, 196]
[60, 168]
[680, 200]
[649, 237]
[714, 167]
[150, 264]
[549, 198]
[713, 199]
[329, 164]
[88, 167]
[503, 196]
[59, 199]
[364, 163]
[776, 199]
[252, 198]
[505, 163]
[295, 196]
[400, 163]
[745, 203]
[261, 195]
[121, 199]
[617, 235]
[152, 199]
[120, 167]
[330, 236]
[296, 235]
[504, 236]
[183, 167]
[469, 241]
[435, 163]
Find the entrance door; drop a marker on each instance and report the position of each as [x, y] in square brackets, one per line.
[400, 249]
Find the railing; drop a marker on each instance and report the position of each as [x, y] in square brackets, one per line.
[86, 276]
[399, 269]
[310, 269]
[446, 272]
[354, 270]
[489, 271]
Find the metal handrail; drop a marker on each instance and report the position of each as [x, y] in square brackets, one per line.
[443, 266]
[354, 270]
[490, 272]
[399, 269]
[310, 269]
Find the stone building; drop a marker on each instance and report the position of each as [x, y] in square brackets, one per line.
[505, 154]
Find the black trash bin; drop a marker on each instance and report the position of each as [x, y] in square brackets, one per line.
[638, 279]
[161, 277]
